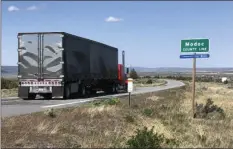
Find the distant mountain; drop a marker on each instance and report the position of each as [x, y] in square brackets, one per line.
[180, 69]
[10, 71]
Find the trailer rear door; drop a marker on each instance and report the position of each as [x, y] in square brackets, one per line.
[52, 55]
[40, 55]
[28, 60]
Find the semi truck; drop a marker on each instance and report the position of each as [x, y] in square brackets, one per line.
[59, 64]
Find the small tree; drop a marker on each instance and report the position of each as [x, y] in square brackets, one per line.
[133, 74]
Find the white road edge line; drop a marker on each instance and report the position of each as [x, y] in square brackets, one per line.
[6, 98]
[63, 104]
[83, 101]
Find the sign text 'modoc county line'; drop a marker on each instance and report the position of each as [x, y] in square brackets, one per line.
[195, 45]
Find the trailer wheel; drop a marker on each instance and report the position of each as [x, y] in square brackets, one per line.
[48, 96]
[30, 97]
[116, 89]
[93, 92]
[67, 91]
[113, 88]
[126, 87]
[83, 91]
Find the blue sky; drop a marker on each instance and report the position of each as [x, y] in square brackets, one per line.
[149, 32]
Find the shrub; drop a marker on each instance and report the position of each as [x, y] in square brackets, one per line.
[148, 77]
[225, 82]
[209, 110]
[230, 86]
[96, 103]
[50, 113]
[148, 139]
[129, 118]
[149, 81]
[135, 106]
[148, 112]
[204, 88]
[113, 101]
[157, 77]
[9, 83]
[71, 143]
[145, 139]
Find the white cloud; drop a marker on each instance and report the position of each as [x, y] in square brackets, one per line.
[13, 8]
[32, 8]
[113, 19]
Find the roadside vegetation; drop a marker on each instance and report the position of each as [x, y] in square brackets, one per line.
[9, 87]
[9, 83]
[149, 82]
[154, 120]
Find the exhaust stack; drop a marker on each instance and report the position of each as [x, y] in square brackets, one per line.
[123, 62]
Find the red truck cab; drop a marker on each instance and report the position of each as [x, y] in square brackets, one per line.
[122, 76]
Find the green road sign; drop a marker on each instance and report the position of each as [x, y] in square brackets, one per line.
[195, 45]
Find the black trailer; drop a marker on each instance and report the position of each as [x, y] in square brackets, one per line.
[57, 64]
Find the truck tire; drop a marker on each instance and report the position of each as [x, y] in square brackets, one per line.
[48, 96]
[116, 89]
[126, 88]
[83, 91]
[30, 97]
[110, 89]
[67, 91]
[93, 92]
[113, 89]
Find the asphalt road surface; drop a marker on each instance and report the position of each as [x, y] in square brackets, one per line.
[14, 107]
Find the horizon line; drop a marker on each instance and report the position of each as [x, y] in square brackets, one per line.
[145, 67]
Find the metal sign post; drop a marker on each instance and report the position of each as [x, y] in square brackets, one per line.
[199, 46]
[130, 88]
[193, 89]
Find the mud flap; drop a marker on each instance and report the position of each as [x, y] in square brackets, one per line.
[58, 91]
[23, 92]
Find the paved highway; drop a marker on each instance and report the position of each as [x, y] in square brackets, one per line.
[14, 107]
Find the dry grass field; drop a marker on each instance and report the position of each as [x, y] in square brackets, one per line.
[9, 92]
[9, 87]
[111, 123]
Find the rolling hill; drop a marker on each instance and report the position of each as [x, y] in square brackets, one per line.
[11, 71]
